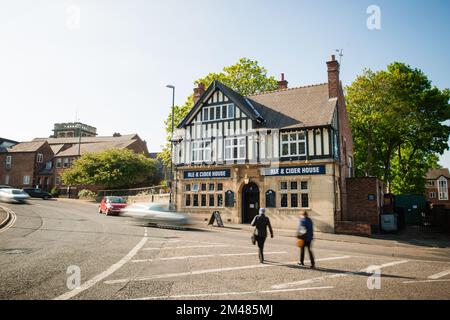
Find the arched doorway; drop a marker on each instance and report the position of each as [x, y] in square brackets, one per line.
[250, 202]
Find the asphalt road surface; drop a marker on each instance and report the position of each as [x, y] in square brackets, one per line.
[51, 242]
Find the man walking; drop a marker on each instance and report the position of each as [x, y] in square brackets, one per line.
[261, 223]
[306, 233]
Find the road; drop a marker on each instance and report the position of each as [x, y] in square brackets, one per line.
[120, 259]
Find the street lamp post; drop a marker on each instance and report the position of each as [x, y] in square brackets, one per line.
[171, 143]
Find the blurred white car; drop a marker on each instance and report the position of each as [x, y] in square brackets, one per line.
[161, 215]
[13, 195]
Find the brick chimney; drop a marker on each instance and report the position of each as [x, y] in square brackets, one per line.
[198, 92]
[282, 84]
[333, 77]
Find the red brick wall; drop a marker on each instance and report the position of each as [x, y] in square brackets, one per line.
[359, 207]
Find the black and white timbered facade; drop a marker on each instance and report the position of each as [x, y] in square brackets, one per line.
[285, 150]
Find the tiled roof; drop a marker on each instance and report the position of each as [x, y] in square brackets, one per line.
[436, 173]
[94, 147]
[53, 141]
[27, 146]
[297, 107]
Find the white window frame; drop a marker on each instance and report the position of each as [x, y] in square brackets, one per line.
[66, 162]
[58, 163]
[48, 165]
[7, 179]
[235, 143]
[207, 110]
[297, 141]
[26, 180]
[432, 195]
[57, 180]
[39, 158]
[201, 151]
[443, 188]
[8, 162]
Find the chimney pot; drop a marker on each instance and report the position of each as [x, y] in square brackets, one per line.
[198, 92]
[333, 77]
[282, 84]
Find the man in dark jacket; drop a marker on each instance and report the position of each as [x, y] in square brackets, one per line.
[261, 223]
[306, 233]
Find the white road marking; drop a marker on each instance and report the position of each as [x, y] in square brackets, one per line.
[188, 247]
[108, 272]
[204, 271]
[12, 219]
[427, 281]
[208, 256]
[439, 275]
[336, 275]
[200, 295]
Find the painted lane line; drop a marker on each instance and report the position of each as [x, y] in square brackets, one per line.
[336, 275]
[200, 295]
[208, 256]
[217, 270]
[439, 275]
[427, 281]
[108, 272]
[188, 247]
[12, 219]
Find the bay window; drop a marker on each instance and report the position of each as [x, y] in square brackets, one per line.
[201, 151]
[293, 144]
[235, 149]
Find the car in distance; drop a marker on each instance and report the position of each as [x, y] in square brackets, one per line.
[111, 205]
[161, 215]
[13, 195]
[37, 193]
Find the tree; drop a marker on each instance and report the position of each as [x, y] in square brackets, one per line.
[114, 168]
[398, 125]
[245, 77]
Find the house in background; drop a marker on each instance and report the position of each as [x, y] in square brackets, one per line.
[437, 186]
[6, 143]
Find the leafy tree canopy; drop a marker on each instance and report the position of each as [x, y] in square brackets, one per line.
[399, 125]
[114, 168]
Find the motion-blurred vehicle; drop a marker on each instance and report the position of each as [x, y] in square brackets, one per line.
[13, 195]
[161, 215]
[111, 205]
[4, 186]
[37, 193]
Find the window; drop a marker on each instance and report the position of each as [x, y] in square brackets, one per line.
[235, 149]
[7, 179]
[203, 200]
[304, 194]
[26, 180]
[57, 180]
[305, 200]
[58, 162]
[8, 162]
[39, 158]
[219, 187]
[66, 163]
[304, 185]
[203, 186]
[271, 199]
[205, 114]
[230, 111]
[432, 195]
[294, 185]
[293, 144]
[187, 202]
[294, 200]
[220, 112]
[443, 188]
[195, 187]
[48, 165]
[220, 200]
[284, 200]
[350, 167]
[229, 199]
[187, 187]
[201, 151]
[211, 200]
[195, 200]
[283, 186]
[211, 187]
[431, 183]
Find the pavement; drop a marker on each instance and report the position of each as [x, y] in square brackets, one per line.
[65, 250]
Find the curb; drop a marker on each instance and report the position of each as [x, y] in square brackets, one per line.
[7, 219]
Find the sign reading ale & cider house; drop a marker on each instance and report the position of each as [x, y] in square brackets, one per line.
[294, 171]
[207, 174]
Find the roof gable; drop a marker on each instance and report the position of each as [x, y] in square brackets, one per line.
[244, 104]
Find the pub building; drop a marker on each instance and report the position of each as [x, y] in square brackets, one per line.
[286, 150]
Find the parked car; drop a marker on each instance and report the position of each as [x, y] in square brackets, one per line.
[161, 215]
[13, 195]
[111, 205]
[37, 193]
[4, 186]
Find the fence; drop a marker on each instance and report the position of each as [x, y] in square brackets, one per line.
[133, 192]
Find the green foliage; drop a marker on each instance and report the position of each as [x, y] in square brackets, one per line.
[398, 125]
[54, 192]
[114, 168]
[245, 77]
[87, 194]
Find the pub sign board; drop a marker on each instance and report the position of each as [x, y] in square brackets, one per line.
[207, 174]
[294, 171]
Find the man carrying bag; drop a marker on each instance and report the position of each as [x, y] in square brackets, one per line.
[261, 222]
[305, 234]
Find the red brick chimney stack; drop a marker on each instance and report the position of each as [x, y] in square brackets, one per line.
[333, 77]
[198, 92]
[283, 84]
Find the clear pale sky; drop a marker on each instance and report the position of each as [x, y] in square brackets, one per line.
[112, 67]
